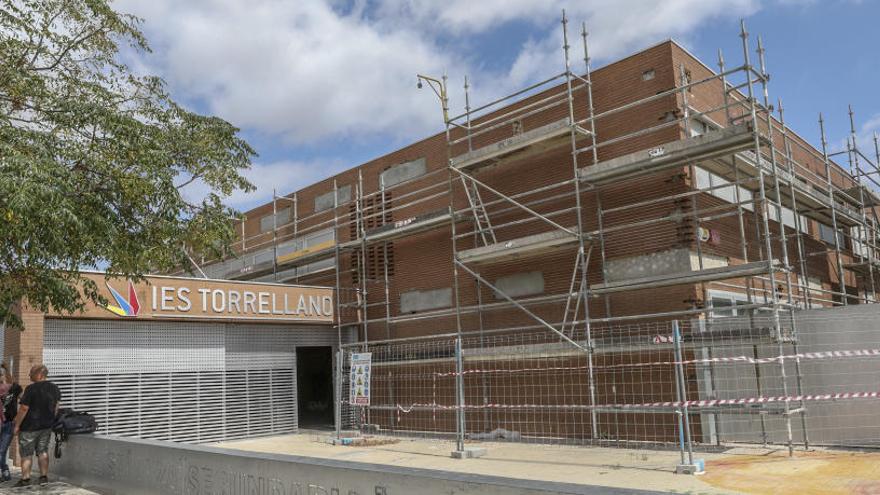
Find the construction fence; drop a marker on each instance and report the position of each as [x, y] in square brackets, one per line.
[787, 380]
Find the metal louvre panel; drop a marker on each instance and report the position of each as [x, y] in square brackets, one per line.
[250, 347]
[125, 346]
[184, 382]
[258, 347]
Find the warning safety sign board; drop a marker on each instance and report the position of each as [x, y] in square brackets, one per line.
[360, 378]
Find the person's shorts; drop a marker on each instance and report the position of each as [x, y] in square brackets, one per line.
[34, 441]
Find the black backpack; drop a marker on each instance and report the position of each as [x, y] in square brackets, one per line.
[70, 422]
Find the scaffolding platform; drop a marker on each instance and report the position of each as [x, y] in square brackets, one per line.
[517, 147]
[690, 277]
[308, 255]
[857, 192]
[410, 226]
[631, 344]
[519, 248]
[711, 145]
[249, 271]
[863, 268]
[818, 205]
[812, 202]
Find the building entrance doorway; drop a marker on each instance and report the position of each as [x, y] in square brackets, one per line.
[314, 386]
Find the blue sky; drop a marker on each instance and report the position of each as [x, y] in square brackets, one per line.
[318, 87]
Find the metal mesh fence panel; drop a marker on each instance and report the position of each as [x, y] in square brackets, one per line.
[786, 380]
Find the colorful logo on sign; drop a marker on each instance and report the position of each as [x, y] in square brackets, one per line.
[124, 307]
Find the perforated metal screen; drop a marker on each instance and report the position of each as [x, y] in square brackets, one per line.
[180, 381]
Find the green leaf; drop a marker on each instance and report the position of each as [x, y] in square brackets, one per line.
[93, 158]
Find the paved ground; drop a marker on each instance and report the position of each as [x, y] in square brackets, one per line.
[53, 488]
[646, 470]
[739, 470]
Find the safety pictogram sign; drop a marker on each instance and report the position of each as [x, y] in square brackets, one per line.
[360, 378]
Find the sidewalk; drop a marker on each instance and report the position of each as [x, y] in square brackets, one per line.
[53, 488]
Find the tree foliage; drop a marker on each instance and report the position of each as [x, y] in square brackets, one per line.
[93, 157]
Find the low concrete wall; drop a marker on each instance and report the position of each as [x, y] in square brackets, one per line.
[112, 465]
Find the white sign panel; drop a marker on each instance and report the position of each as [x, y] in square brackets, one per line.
[360, 378]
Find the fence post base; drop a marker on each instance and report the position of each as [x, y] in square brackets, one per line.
[469, 453]
[697, 468]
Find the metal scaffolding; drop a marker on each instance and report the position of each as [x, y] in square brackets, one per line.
[725, 159]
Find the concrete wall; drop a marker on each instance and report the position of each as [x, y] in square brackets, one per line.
[112, 465]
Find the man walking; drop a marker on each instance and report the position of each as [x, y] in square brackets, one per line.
[9, 392]
[33, 423]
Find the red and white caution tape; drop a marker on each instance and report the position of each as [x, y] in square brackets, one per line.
[732, 359]
[650, 405]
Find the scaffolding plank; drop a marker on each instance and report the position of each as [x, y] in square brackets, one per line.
[621, 345]
[818, 204]
[516, 147]
[862, 267]
[613, 345]
[522, 247]
[811, 202]
[690, 277]
[249, 271]
[318, 252]
[670, 155]
[410, 226]
[855, 193]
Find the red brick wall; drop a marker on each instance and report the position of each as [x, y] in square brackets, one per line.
[424, 261]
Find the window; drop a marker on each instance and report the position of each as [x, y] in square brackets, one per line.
[723, 306]
[520, 284]
[325, 201]
[788, 218]
[648, 75]
[858, 237]
[305, 241]
[728, 304]
[826, 234]
[423, 300]
[282, 216]
[706, 180]
[403, 172]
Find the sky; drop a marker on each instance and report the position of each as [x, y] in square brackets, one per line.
[319, 87]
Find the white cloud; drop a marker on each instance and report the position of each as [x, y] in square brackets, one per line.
[283, 176]
[865, 138]
[865, 133]
[296, 69]
[313, 72]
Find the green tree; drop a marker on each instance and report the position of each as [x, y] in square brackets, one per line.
[93, 157]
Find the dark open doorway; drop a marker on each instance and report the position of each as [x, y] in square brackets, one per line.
[314, 386]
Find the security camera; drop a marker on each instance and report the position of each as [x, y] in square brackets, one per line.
[419, 84]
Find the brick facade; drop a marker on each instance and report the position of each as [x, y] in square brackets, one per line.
[423, 261]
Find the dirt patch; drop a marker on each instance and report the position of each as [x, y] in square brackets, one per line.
[807, 473]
